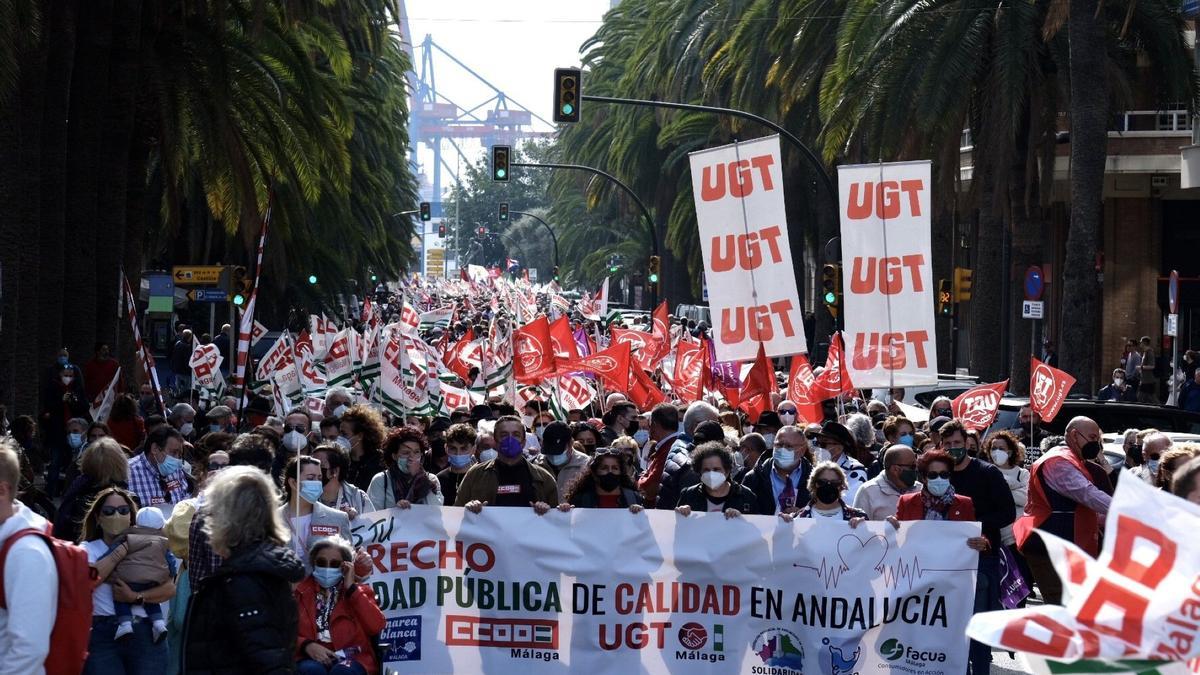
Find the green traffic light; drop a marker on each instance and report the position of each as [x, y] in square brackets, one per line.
[374, 278]
[500, 173]
[239, 299]
[567, 109]
[312, 278]
[830, 297]
[654, 278]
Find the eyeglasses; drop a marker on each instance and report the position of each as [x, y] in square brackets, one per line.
[937, 474]
[110, 510]
[217, 466]
[295, 427]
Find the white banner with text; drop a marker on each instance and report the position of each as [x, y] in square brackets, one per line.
[600, 590]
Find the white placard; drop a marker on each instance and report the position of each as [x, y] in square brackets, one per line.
[1032, 309]
[747, 257]
[887, 274]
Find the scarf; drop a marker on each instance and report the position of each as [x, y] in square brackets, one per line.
[326, 600]
[937, 507]
[408, 487]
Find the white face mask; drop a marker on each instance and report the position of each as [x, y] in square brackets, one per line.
[527, 420]
[769, 438]
[712, 479]
[186, 428]
[343, 441]
[340, 410]
[539, 430]
[787, 417]
[1000, 457]
[821, 455]
[294, 440]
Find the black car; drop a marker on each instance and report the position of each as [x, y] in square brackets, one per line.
[1112, 416]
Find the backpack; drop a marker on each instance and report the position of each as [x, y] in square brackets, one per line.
[73, 618]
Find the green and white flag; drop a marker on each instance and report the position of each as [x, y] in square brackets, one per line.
[438, 318]
[1043, 666]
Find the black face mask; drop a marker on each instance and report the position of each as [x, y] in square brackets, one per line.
[1090, 450]
[589, 449]
[632, 428]
[608, 481]
[828, 494]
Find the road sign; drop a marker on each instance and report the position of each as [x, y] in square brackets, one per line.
[1034, 284]
[1173, 292]
[1172, 325]
[1032, 309]
[197, 275]
[207, 295]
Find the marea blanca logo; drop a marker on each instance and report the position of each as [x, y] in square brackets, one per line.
[894, 650]
[402, 634]
[839, 658]
[780, 649]
[694, 636]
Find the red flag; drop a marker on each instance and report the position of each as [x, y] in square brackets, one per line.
[835, 379]
[533, 355]
[1048, 387]
[800, 391]
[610, 365]
[642, 343]
[689, 371]
[563, 342]
[977, 406]
[661, 331]
[453, 356]
[643, 392]
[755, 397]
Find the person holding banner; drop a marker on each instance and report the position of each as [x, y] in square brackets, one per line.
[715, 492]
[880, 496]
[559, 457]
[460, 456]
[1063, 501]
[826, 485]
[780, 479]
[405, 481]
[338, 494]
[306, 518]
[835, 443]
[604, 484]
[937, 499]
[509, 479]
[337, 616]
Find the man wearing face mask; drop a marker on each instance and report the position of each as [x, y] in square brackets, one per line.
[485, 447]
[337, 401]
[509, 479]
[460, 457]
[1063, 501]
[183, 417]
[780, 480]
[879, 496]
[622, 422]
[669, 467]
[296, 427]
[559, 457]
[768, 425]
[1117, 390]
[156, 477]
[220, 420]
[63, 398]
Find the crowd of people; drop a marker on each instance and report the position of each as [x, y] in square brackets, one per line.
[220, 537]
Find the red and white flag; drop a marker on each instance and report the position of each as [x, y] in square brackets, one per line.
[755, 397]
[835, 379]
[977, 406]
[533, 353]
[800, 391]
[645, 349]
[1048, 388]
[562, 341]
[139, 347]
[688, 378]
[611, 365]
[246, 329]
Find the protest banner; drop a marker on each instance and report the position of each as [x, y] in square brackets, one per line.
[604, 590]
[747, 255]
[205, 362]
[887, 273]
[1140, 599]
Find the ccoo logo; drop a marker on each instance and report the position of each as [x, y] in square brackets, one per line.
[891, 649]
[603, 363]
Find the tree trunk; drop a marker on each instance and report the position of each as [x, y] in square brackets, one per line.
[10, 249]
[989, 274]
[89, 96]
[1089, 135]
[60, 36]
[124, 81]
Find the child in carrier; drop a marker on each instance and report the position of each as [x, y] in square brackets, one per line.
[147, 565]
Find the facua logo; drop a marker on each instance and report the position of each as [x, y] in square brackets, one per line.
[476, 631]
[891, 649]
[693, 636]
[894, 650]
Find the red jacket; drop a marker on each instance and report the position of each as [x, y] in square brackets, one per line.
[912, 507]
[356, 618]
[129, 433]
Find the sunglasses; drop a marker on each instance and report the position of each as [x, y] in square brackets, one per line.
[328, 564]
[832, 483]
[937, 474]
[110, 510]
[295, 427]
[217, 466]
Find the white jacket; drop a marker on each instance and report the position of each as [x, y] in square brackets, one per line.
[878, 497]
[31, 590]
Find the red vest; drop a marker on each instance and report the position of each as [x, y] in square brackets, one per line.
[1038, 509]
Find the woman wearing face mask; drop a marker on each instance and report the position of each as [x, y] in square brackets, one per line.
[826, 484]
[362, 433]
[337, 616]
[405, 481]
[629, 449]
[112, 512]
[306, 517]
[1004, 450]
[604, 484]
[715, 492]
[936, 500]
[585, 436]
[339, 494]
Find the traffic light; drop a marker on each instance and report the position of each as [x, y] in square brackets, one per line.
[945, 298]
[441, 232]
[566, 94]
[426, 212]
[240, 286]
[500, 163]
[312, 279]
[504, 212]
[962, 283]
[831, 285]
[481, 231]
[554, 273]
[655, 265]
[375, 277]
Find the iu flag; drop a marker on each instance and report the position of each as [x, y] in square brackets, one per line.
[977, 406]
[1048, 387]
[755, 397]
[689, 371]
[835, 379]
[610, 365]
[800, 391]
[563, 342]
[533, 353]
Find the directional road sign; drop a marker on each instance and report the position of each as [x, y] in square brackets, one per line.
[207, 295]
[197, 275]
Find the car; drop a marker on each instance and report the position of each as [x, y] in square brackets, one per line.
[1112, 416]
[696, 313]
[949, 386]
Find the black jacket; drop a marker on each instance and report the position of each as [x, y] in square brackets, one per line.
[242, 619]
[739, 497]
[759, 482]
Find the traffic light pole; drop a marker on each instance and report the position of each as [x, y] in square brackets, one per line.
[553, 237]
[653, 231]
